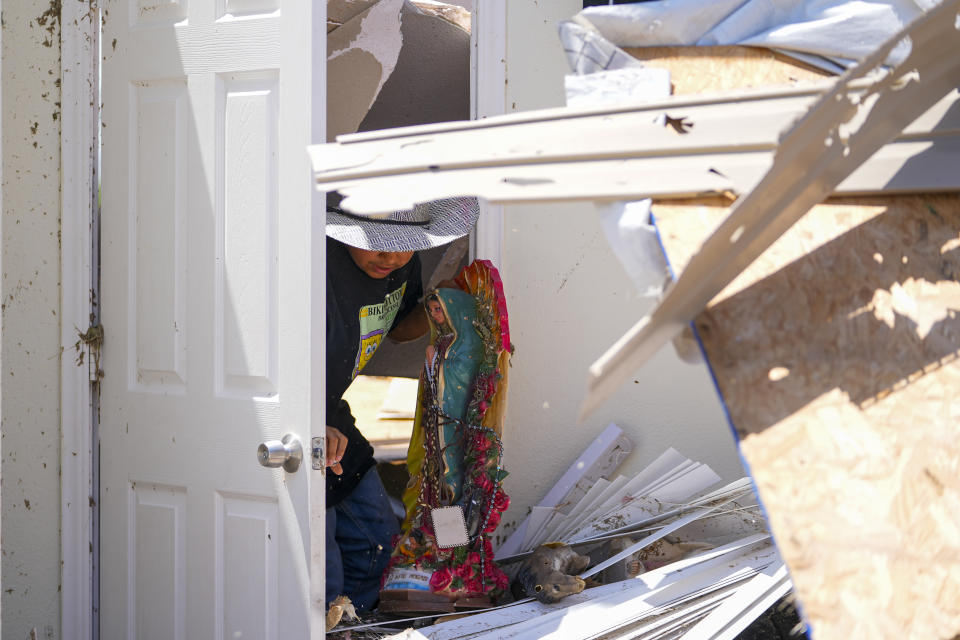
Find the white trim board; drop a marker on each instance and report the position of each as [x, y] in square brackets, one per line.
[622, 153]
[488, 97]
[79, 128]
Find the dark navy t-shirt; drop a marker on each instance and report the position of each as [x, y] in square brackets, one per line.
[361, 311]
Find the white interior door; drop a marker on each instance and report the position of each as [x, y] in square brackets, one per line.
[212, 305]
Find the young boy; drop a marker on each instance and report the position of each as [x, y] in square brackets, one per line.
[373, 290]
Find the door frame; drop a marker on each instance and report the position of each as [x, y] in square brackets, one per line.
[488, 97]
[79, 123]
[79, 310]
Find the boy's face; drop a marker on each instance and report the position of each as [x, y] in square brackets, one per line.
[379, 264]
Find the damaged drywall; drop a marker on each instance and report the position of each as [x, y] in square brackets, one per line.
[361, 54]
[394, 64]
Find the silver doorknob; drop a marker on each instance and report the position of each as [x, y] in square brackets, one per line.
[286, 453]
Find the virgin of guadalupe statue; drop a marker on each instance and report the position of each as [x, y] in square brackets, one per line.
[455, 454]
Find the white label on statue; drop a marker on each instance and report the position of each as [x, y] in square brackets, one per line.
[449, 527]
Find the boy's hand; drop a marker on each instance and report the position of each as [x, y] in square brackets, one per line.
[336, 446]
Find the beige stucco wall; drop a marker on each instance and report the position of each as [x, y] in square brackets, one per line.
[569, 300]
[29, 338]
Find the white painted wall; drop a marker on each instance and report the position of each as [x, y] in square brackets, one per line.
[569, 299]
[30, 333]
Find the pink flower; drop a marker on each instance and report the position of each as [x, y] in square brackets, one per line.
[473, 558]
[441, 579]
[464, 572]
[474, 585]
[482, 444]
[500, 500]
[492, 522]
[487, 547]
[483, 482]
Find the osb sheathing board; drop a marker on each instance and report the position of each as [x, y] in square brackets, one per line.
[836, 355]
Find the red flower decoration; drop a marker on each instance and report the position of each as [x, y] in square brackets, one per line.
[492, 522]
[464, 572]
[441, 579]
[500, 500]
[474, 585]
[482, 444]
[483, 481]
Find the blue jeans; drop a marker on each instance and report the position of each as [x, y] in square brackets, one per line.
[359, 532]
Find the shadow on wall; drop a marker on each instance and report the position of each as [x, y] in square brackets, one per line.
[870, 286]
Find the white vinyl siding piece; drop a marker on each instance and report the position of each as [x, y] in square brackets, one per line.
[618, 153]
[600, 459]
[667, 600]
[655, 494]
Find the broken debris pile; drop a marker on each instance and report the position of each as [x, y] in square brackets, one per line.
[669, 558]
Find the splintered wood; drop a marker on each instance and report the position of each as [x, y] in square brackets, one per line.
[836, 354]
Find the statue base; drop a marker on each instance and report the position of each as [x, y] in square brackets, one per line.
[414, 601]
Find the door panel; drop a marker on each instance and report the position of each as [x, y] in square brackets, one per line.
[212, 295]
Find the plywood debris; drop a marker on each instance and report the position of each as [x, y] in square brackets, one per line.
[836, 354]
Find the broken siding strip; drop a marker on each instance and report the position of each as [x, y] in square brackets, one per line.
[560, 522]
[650, 539]
[600, 459]
[737, 612]
[512, 614]
[563, 113]
[667, 625]
[644, 132]
[736, 490]
[696, 129]
[576, 520]
[599, 616]
[838, 135]
[687, 581]
[589, 156]
[600, 180]
[649, 501]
